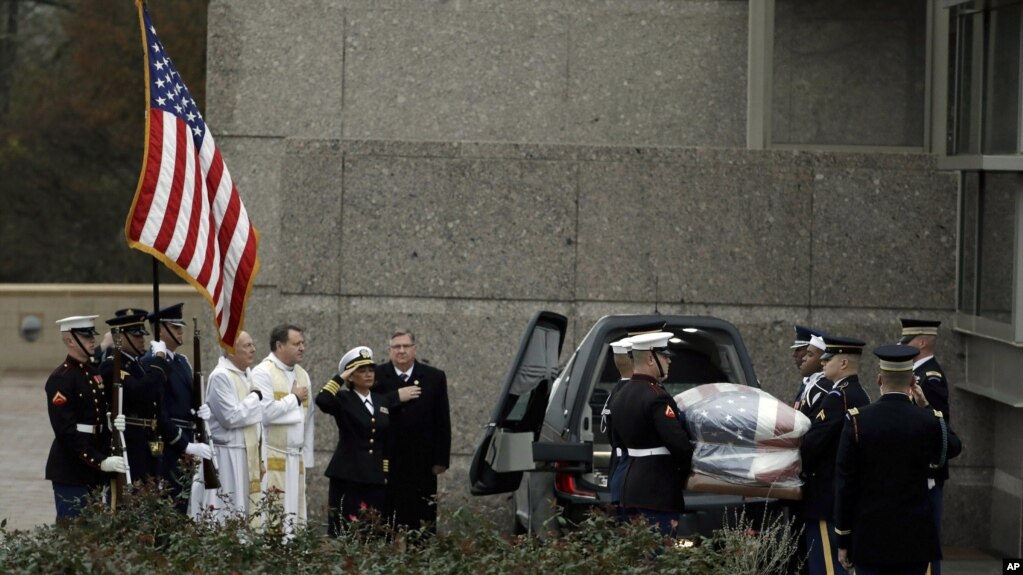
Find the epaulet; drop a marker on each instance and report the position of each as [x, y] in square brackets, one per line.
[938, 414]
[934, 374]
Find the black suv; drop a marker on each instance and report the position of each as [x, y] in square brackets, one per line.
[544, 440]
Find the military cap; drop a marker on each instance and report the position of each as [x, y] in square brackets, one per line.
[657, 341]
[839, 345]
[170, 314]
[621, 347]
[914, 327]
[896, 357]
[804, 336]
[355, 358]
[80, 324]
[130, 320]
[652, 327]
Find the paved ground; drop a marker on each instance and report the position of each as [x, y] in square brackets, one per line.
[26, 499]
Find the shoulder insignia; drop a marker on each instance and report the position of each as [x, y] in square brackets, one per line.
[854, 411]
[938, 414]
[125, 374]
[820, 415]
[843, 531]
[934, 374]
[59, 399]
[669, 412]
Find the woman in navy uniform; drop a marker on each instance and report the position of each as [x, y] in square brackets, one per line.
[883, 515]
[820, 444]
[650, 428]
[358, 470]
[79, 460]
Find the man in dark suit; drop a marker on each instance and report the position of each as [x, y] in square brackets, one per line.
[931, 392]
[820, 444]
[420, 432]
[883, 516]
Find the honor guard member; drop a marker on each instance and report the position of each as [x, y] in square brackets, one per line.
[815, 386]
[931, 393]
[176, 403]
[651, 429]
[79, 460]
[804, 345]
[143, 387]
[359, 469]
[622, 353]
[883, 514]
[820, 444]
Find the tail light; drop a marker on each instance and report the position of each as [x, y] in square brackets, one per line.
[565, 482]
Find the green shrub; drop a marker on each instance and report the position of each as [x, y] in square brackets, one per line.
[148, 536]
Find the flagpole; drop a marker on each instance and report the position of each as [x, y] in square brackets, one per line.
[156, 299]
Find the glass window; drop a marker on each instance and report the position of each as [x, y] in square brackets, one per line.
[987, 244]
[1001, 88]
[849, 72]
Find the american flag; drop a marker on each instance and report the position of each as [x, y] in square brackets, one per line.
[187, 212]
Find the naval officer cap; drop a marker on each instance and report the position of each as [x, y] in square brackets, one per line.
[80, 324]
[355, 358]
[912, 327]
[657, 341]
[621, 347]
[842, 345]
[896, 357]
[130, 320]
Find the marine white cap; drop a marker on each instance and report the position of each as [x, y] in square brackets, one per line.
[622, 346]
[656, 341]
[79, 323]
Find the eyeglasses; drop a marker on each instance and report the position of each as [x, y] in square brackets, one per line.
[401, 346]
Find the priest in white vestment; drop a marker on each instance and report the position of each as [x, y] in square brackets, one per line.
[287, 421]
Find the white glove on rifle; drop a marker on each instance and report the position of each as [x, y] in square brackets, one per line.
[113, 464]
[119, 422]
[161, 347]
[204, 412]
[200, 450]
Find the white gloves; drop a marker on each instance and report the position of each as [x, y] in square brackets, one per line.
[119, 422]
[204, 412]
[200, 450]
[161, 347]
[113, 464]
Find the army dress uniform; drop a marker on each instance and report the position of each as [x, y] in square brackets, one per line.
[147, 431]
[883, 512]
[77, 407]
[818, 450]
[359, 469]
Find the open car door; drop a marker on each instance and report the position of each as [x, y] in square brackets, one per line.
[506, 448]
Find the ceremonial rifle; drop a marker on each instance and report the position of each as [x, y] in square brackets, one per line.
[202, 432]
[117, 437]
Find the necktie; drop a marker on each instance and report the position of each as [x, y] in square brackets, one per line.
[369, 405]
[404, 377]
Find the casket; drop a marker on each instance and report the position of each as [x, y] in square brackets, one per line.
[747, 441]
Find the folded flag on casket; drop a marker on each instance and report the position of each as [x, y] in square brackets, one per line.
[745, 437]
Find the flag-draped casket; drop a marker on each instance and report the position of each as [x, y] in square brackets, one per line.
[747, 441]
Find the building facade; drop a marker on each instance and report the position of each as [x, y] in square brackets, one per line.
[454, 166]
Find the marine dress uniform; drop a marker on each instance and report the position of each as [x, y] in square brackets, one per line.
[146, 429]
[883, 514]
[651, 429]
[77, 407]
[619, 458]
[818, 449]
[358, 470]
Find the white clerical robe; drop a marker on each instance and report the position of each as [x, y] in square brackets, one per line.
[287, 434]
[235, 426]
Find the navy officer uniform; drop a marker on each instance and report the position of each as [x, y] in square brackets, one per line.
[79, 461]
[819, 447]
[359, 468]
[651, 429]
[175, 403]
[147, 428]
[921, 334]
[883, 514]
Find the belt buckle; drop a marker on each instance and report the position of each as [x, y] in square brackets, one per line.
[156, 447]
